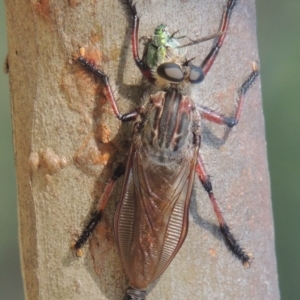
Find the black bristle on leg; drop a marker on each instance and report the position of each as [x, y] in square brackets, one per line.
[88, 230]
[231, 242]
[131, 6]
[236, 249]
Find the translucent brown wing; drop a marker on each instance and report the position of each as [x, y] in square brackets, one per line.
[151, 220]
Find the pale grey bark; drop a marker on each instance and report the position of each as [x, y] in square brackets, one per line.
[63, 138]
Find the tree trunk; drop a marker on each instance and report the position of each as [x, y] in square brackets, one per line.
[67, 140]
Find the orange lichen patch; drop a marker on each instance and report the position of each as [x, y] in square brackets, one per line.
[86, 93]
[74, 3]
[102, 134]
[104, 231]
[92, 54]
[213, 252]
[92, 154]
[107, 151]
[80, 91]
[102, 246]
[42, 8]
[47, 160]
[81, 88]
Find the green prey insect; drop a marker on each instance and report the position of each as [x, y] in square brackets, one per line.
[163, 46]
[160, 46]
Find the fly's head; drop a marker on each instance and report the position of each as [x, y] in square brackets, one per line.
[164, 55]
[179, 75]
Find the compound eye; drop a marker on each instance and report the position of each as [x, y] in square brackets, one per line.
[171, 72]
[196, 74]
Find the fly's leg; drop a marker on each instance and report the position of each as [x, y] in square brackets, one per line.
[90, 66]
[232, 243]
[96, 218]
[143, 67]
[210, 58]
[218, 118]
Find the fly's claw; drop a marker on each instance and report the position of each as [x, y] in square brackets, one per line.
[248, 261]
[255, 66]
[78, 251]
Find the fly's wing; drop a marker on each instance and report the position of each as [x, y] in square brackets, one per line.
[151, 220]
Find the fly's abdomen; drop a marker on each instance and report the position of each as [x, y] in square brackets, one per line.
[151, 221]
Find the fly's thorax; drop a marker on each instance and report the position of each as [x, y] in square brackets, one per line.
[170, 125]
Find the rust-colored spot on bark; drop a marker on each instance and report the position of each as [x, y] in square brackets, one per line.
[213, 252]
[74, 3]
[102, 134]
[102, 245]
[42, 8]
[93, 154]
[82, 88]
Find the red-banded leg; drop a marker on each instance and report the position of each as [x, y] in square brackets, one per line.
[210, 58]
[218, 118]
[231, 242]
[96, 218]
[91, 67]
[144, 68]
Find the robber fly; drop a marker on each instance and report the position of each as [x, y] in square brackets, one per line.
[151, 220]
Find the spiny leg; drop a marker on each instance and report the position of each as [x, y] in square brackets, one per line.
[90, 66]
[144, 68]
[218, 118]
[96, 218]
[233, 245]
[210, 58]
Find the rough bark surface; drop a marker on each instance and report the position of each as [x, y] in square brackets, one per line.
[66, 140]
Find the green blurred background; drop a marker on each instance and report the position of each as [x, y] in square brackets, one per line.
[279, 45]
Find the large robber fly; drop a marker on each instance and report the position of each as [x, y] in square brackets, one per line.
[151, 220]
